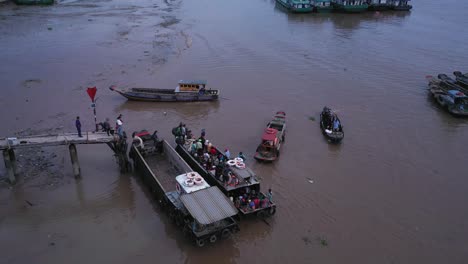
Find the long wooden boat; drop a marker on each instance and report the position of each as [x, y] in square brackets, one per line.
[297, 6]
[234, 179]
[272, 138]
[331, 125]
[201, 211]
[400, 5]
[322, 6]
[379, 5]
[450, 98]
[462, 79]
[449, 83]
[350, 6]
[186, 91]
[34, 2]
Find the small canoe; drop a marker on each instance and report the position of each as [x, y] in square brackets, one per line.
[186, 91]
[331, 125]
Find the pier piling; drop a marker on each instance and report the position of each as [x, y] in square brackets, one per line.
[74, 160]
[9, 166]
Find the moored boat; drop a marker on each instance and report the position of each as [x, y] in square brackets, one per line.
[297, 6]
[34, 2]
[232, 176]
[272, 138]
[400, 5]
[322, 6]
[331, 125]
[450, 98]
[378, 5]
[462, 79]
[186, 91]
[350, 6]
[201, 211]
[449, 83]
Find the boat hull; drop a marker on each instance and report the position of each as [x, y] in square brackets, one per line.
[170, 98]
[381, 7]
[166, 95]
[294, 9]
[402, 8]
[34, 2]
[350, 8]
[321, 9]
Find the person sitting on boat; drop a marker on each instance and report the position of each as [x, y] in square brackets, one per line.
[189, 134]
[241, 156]
[213, 150]
[202, 90]
[227, 153]
[336, 125]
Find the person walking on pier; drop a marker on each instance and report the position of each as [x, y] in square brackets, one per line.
[78, 126]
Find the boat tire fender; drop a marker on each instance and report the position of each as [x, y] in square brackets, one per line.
[213, 238]
[200, 242]
[140, 144]
[272, 210]
[225, 233]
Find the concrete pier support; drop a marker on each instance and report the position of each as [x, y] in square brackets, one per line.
[74, 160]
[9, 166]
[13, 161]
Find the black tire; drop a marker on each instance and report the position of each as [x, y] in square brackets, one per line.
[213, 238]
[200, 242]
[261, 214]
[226, 233]
[272, 210]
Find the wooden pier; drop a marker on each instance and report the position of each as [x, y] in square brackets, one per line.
[8, 146]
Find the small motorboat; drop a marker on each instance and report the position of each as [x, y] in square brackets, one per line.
[331, 125]
[274, 134]
[449, 97]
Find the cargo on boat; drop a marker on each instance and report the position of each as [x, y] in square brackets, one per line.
[448, 96]
[272, 138]
[232, 176]
[331, 125]
[201, 211]
[186, 91]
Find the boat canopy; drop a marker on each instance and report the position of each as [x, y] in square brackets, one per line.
[209, 205]
[270, 134]
[193, 82]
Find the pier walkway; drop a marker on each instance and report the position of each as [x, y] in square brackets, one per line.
[8, 146]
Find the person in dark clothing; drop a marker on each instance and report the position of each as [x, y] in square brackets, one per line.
[78, 126]
[106, 126]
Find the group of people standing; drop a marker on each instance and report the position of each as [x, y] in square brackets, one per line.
[105, 126]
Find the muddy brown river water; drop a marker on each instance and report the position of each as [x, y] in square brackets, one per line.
[394, 191]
